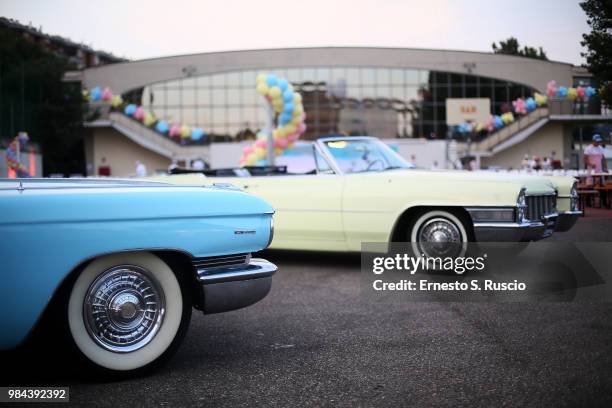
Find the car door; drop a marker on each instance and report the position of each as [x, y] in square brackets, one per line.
[308, 206]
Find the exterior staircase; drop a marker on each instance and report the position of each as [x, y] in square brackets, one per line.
[144, 136]
[512, 134]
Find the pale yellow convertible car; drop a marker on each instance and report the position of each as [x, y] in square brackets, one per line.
[337, 192]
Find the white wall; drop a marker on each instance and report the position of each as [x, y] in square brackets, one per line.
[226, 154]
[423, 153]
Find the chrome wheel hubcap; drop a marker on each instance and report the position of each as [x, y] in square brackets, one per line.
[440, 237]
[124, 308]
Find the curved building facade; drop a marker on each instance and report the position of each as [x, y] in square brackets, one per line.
[391, 93]
[384, 92]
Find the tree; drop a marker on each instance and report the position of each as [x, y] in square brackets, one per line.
[34, 99]
[512, 47]
[599, 45]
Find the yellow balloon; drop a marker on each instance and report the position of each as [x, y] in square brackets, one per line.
[540, 99]
[261, 78]
[149, 119]
[251, 160]
[290, 129]
[185, 131]
[275, 92]
[297, 98]
[276, 133]
[278, 151]
[572, 94]
[507, 117]
[262, 89]
[116, 101]
[260, 153]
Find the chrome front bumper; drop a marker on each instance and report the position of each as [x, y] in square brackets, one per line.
[566, 220]
[235, 287]
[515, 232]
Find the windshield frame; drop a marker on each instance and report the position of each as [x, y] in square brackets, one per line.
[324, 150]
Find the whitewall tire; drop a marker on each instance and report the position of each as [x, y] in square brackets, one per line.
[438, 233]
[125, 310]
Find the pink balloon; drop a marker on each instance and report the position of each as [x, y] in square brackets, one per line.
[246, 150]
[490, 124]
[175, 130]
[301, 128]
[281, 143]
[303, 116]
[261, 143]
[551, 88]
[293, 137]
[519, 106]
[107, 95]
[139, 114]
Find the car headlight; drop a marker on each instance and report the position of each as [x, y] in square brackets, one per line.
[574, 200]
[521, 207]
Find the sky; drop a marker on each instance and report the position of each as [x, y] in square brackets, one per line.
[154, 28]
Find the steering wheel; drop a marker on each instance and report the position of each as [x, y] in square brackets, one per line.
[372, 163]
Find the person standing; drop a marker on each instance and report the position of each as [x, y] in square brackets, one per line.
[141, 169]
[594, 157]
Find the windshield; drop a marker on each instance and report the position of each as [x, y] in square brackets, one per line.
[361, 155]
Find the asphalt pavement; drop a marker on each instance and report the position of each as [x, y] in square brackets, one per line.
[316, 341]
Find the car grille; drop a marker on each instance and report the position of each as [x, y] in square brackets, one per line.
[223, 261]
[539, 206]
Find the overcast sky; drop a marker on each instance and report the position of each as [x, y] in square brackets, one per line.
[152, 28]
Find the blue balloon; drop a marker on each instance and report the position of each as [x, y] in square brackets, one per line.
[197, 133]
[464, 128]
[288, 107]
[562, 91]
[590, 91]
[271, 80]
[162, 126]
[283, 84]
[130, 109]
[530, 104]
[261, 162]
[288, 95]
[284, 118]
[498, 122]
[96, 94]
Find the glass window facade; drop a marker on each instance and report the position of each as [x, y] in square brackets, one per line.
[382, 102]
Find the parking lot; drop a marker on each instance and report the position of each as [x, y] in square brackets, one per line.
[315, 341]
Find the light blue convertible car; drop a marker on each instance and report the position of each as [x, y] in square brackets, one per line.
[126, 261]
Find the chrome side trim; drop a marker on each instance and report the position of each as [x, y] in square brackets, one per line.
[255, 269]
[213, 263]
[271, 232]
[507, 224]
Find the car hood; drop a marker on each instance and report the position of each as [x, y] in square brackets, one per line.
[532, 184]
[45, 200]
